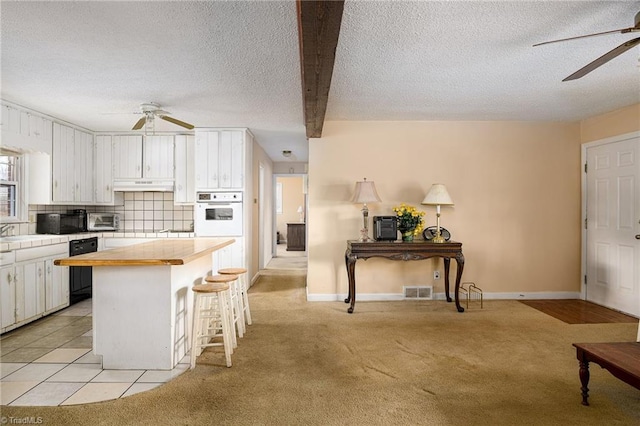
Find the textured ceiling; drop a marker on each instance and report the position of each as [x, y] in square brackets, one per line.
[220, 63]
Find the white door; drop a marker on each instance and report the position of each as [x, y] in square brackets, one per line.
[613, 225]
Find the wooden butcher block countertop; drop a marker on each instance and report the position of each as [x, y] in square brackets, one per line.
[169, 251]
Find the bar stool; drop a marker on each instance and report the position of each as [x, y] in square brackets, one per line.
[244, 299]
[211, 319]
[235, 310]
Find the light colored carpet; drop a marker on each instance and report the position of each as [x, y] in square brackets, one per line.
[390, 363]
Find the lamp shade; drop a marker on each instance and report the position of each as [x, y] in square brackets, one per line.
[299, 209]
[438, 196]
[365, 193]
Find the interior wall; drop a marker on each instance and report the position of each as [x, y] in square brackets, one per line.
[515, 185]
[614, 123]
[260, 158]
[292, 198]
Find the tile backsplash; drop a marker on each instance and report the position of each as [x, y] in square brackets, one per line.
[141, 212]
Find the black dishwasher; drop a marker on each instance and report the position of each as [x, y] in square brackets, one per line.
[80, 277]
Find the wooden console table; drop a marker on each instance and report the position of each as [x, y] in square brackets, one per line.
[399, 250]
[622, 359]
[296, 236]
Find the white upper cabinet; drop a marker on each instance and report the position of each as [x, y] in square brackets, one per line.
[157, 152]
[220, 159]
[25, 129]
[138, 158]
[72, 165]
[104, 169]
[185, 186]
[127, 157]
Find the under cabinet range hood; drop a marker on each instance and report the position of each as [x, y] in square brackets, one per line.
[140, 185]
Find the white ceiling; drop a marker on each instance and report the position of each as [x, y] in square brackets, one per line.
[236, 64]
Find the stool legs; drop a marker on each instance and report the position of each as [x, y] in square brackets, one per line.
[243, 288]
[246, 311]
[211, 320]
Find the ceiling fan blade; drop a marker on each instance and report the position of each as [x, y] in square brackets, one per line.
[603, 59]
[178, 122]
[140, 123]
[621, 31]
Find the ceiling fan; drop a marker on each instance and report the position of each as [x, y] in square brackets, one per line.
[607, 56]
[152, 110]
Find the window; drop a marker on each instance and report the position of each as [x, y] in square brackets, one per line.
[9, 185]
[279, 198]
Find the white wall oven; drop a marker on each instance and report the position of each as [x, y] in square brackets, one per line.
[218, 214]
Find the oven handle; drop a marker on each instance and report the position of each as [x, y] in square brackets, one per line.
[222, 204]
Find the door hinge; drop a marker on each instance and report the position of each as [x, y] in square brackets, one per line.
[585, 167]
[586, 223]
[585, 280]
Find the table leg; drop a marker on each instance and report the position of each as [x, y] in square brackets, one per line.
[584, 380]
[460, 268]
[351, 274]
[447, 262]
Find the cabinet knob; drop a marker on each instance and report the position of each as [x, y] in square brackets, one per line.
[638, 237]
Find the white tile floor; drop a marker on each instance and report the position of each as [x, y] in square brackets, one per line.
[49, 363]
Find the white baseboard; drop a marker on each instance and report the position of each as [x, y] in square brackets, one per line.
[372, 297]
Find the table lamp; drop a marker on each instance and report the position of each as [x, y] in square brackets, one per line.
[300, 212]
[438, 196]
[365, 193]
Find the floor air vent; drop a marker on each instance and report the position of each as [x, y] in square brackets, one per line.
[418, 292]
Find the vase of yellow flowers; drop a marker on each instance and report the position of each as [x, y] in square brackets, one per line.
[410, 221]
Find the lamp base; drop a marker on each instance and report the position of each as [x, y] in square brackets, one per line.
[364, 236]
[438, 239]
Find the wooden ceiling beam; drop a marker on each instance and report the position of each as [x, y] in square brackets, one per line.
[318, 31]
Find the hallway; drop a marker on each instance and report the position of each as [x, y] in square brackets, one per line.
[288, 260]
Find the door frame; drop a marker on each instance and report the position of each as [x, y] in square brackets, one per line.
[583, 216]
[274, 230]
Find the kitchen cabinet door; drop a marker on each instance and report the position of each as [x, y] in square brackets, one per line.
[207, 159]
[63, 167]
[103, 151]
[220, 159]
[30, 291]
[7, 296]
[185, 192]
[56, 286]
[231, 159]
[127, 157]
[157, 152]
[83, 165]
[72, 165]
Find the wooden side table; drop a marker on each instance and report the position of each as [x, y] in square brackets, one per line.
[399, 250]
[296, 236]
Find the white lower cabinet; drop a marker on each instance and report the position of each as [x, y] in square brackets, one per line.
[56, 286]
[231, 256]
[30, 291]
[33, 287]
[7, 296]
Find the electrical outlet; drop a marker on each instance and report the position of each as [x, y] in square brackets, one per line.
[436, 275]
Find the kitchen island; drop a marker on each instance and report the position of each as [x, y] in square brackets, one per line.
[142, 299]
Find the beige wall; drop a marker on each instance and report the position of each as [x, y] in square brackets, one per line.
[516, 188]
[614, 123]
[292, 198]
[259, 159]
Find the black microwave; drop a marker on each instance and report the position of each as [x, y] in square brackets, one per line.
[61, 223]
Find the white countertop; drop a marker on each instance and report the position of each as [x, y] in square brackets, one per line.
[27, 241]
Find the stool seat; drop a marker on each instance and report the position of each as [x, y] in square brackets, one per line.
[220, 278]
[232, 271]
[214, 287]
